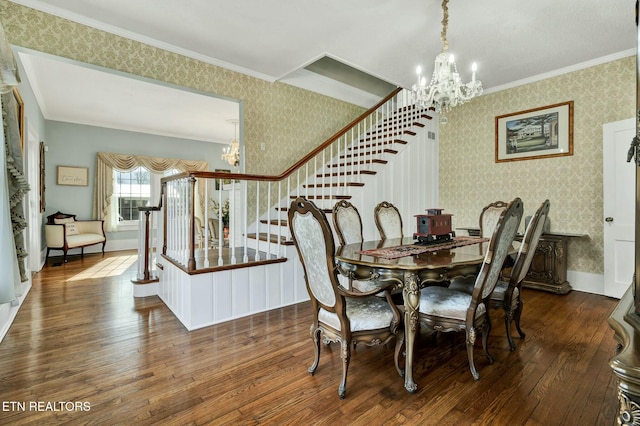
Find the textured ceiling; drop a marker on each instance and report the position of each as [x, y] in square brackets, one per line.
[512, 42]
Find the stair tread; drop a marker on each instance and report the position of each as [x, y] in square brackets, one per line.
[322, 197]
[263, 236]
[332, 185]
[375, 151]
[352, 163]
[349, 173]
[369, 145]
[277, 222]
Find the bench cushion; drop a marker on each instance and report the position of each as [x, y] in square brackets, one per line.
[83, 240]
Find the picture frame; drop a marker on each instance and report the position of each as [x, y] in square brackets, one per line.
[543, 132]
[73, 176]
[224, 181]
[20, 115]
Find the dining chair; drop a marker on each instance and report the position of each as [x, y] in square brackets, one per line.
[347, 223]
[348, 226]
[447, 309]
[339, 315]
[507, 294]
[213, 231]
[489, 217]
[388, 220]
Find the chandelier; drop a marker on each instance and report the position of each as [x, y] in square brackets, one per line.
[445, 90]
[231, 153]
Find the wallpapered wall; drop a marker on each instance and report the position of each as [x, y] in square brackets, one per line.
[290, 121]
[470, 178]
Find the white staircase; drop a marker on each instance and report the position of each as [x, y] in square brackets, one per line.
[395, 160]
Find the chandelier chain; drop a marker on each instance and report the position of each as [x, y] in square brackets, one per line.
[446, 89]
[445, 25]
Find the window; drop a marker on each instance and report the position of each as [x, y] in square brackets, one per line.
[136, 188]
[131, 190]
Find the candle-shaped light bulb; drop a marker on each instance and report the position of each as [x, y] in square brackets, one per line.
[474, 68]
[419, 70]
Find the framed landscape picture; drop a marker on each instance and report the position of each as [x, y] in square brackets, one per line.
[536, 133]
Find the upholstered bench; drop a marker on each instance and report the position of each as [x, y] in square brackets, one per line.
[64, 232]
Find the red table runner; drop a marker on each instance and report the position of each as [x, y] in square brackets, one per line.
[410, 250]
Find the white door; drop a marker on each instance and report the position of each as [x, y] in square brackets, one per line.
[619, 207]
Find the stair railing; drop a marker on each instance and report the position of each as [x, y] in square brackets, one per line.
[257, 230]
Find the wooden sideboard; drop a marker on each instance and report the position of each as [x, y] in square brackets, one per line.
[548, 270]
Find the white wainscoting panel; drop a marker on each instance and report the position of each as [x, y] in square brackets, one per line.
[205, 299]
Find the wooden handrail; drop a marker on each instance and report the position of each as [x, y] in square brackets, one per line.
[298, 164]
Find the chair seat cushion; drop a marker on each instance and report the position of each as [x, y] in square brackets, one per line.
[365, 313]
[501, 290]
[447, 303]
[466, 285]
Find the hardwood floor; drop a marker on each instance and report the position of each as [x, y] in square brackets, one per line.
[82, 341]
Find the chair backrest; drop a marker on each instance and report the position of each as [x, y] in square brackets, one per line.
[213, 228]
[347, 223]
[501, 240]
[314, 241]
[59, 217]
[489, 217]
[199, 229]
[388, 220]
[529, 243]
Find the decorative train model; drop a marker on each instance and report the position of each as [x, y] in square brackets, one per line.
[433, 227]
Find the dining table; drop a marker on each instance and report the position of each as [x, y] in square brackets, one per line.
[411, 267]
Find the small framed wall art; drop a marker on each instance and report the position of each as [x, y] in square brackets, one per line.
[73, 176]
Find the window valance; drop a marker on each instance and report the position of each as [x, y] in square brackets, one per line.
[107, 162]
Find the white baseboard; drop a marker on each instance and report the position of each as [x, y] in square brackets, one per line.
[8, 311]
[586, 282]
[112, 245]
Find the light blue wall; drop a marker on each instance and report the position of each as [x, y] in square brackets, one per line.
[77, 145]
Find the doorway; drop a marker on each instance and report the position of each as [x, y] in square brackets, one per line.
[619, 207]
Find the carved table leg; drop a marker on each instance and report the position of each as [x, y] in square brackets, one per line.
[411, 295]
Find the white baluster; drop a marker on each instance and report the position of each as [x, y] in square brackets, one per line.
[206, 223]
[257, 255]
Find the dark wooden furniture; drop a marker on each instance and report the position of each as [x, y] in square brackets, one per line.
[409, 273]
[339, 315]
[388, 220]
[548, 270]
[448, 309]
[507, 294]
[347, 222]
